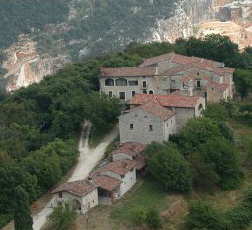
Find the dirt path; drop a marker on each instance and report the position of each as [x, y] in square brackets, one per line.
[88, 159]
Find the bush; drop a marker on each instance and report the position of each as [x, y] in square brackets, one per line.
[62, 217]
[153, 219]
[223, 155]
[202, 216]
[169, 167]
[216, 111]
[138, 215]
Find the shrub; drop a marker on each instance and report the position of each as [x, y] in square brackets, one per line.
[202, 216]
[153, 219]
[138, 215]
[170, 168]
[62, 217]
[216, 111]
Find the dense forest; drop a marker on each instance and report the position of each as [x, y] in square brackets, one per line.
[38, 124]
[18, 17]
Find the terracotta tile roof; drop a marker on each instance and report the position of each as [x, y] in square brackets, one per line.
[127, 71]
[155, 60]
[166, 100]
[130, 148]
[106, 182]
[140, 162]
[220, 87]
[185, 79]
[118, 167]
[155, 108]
[79, 188]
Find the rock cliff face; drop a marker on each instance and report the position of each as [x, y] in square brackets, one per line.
[189, 14]
[191, 17]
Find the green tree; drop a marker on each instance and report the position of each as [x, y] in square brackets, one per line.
[62, 217]
[170, 168]
[153, 219]
[227, 163]
[243, 82]
[216, 111]
[22, 213]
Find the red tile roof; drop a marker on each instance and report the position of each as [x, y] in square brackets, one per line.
[166, 100]
[179, 59]
[106, 182]
[220, 87]
[160, 58]
[79, 188]
[118, 167]
[127, 71]
[185, 79]
[140, 162]
[130, 148]
[153, 106]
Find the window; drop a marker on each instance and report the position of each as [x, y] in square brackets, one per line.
[133, 93]
[93, 201]
[131, 170]
[121, 82]
[145, 117]
[131, 178]
[144, 92]
[122, 95]
[173, 81]
[131, 126]
[132, 83]
[60, 194]
[198, 83]
[143, 76]
[109, 82]
[200, 107]
[150, 128]
[135, 115]
[150, 92]
[206, 95]
[144, 84]
[167, 124]
[110, 93]
[197, 73]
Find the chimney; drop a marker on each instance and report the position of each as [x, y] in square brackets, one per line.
[90, 179]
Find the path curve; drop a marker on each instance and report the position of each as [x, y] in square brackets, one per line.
[87, 160]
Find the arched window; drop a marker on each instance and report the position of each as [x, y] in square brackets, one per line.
[200, 107]
[109, 82]
[77, 205]
[144, 92]
[150, 91]
[121, 82]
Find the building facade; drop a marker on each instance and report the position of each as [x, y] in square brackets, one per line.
[164, 74]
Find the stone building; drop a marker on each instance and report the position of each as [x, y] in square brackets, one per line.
[165, 74]
[110, 182]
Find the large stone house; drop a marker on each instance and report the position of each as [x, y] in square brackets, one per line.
[110, 182]
[155, 117]
[167, 73]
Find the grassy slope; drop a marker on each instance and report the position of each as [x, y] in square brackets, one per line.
[147, 193]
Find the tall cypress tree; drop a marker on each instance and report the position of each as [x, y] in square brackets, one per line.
[22, 213]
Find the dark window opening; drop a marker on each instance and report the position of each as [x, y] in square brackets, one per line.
[109, 82]
[198, 84]
[60, 194]
[150, 128]
[133, 93]
[131, 126]
[122, 95]
[206, 95]
[132, 83]
[144, 92]
[121, 82]
[200, 107]
[110, 93]
[144, 84]
[150, 92]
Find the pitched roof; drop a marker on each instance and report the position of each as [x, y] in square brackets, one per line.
[79, 188]
[179, 59]
[157, 59]
[140, 162]
[130, 148]
[127, 71]
[221, 87]
[155, 108]
[118, 167]
[166, 100]
[185, 79]
[106, 182]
